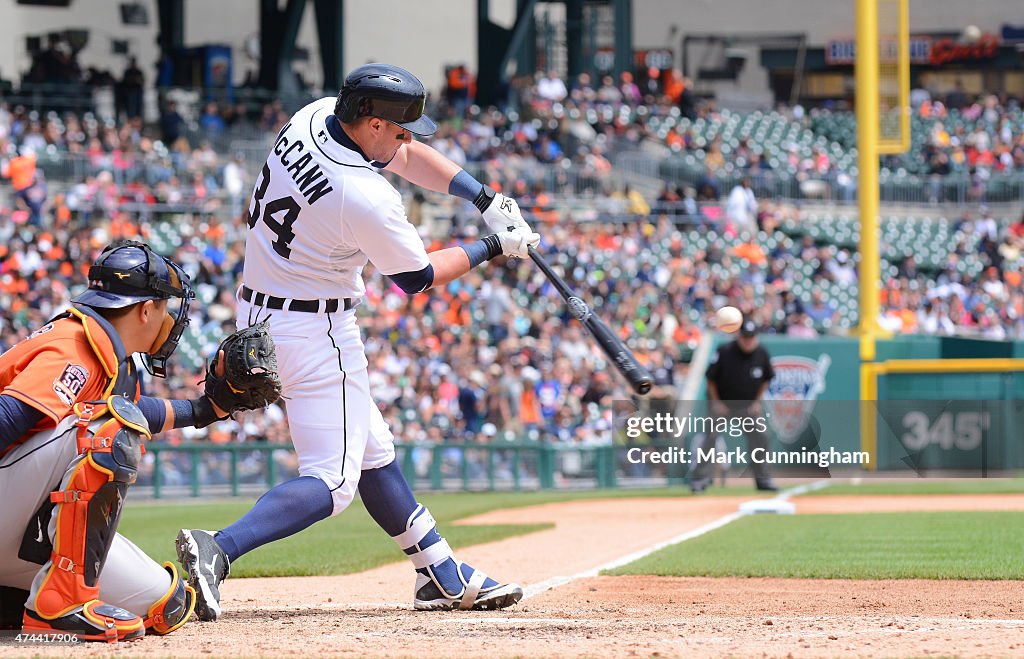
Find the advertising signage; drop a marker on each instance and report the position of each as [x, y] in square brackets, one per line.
[924, 49]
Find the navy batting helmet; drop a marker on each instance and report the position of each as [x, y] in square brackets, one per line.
[385, 91]
[130, 272]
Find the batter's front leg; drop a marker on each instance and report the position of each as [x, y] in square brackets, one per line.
[206, 556]
[442, 581]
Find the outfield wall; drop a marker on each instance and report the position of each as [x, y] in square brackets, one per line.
[923, 422]
[929, 420]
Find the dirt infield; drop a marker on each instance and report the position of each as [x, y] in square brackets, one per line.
[368, 613]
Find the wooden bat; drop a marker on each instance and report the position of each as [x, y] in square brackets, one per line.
[621, 356]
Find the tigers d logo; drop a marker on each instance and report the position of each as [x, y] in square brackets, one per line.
[791, 394]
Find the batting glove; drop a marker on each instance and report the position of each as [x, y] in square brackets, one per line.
[501, 213]
[516, 244]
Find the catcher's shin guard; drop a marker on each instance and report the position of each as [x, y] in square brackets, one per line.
[92, 621]
[173, 609]
[88, 510]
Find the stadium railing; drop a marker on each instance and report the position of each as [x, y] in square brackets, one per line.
[43, 96]
[634, 169]
[895, 187]
[205, 469]
[84, 97]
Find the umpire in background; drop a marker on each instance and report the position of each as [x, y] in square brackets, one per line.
[737, 379]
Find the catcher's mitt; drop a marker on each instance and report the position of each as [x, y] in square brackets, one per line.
[250, 378]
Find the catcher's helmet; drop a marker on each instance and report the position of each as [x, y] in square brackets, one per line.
[129, 272]
[385, 91]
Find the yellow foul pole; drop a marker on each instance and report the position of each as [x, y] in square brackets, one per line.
[866, 78]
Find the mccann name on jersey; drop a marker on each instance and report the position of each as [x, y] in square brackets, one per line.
[311, 181]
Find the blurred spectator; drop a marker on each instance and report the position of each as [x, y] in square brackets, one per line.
[820, 311]
[608, 93]
[133, 82]
[235, 180]
[552, 88]
[957, 98]
[172, 124]
[211, 122]
[33, 199]
[801, 327]
[21, 170]
[687, 100]
[457, 89]
[741, 207]
[631, 94]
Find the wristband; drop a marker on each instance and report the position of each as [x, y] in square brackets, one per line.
[482, 250]
[203, 413]
[465, 186]
[484, 199]
[184, 413]
[493, 246]
[476, 252]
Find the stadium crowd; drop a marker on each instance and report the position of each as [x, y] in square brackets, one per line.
[493, 354]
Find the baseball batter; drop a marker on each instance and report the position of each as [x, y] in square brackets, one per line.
[319, 212]
[72, 426]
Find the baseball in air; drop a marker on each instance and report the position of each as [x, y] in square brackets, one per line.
[728, 319]
[971, 34]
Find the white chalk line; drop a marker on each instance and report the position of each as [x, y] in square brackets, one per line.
[556, 582]
[936, 624]
[800, 490]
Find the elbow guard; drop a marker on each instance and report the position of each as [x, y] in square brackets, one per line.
[415, 282]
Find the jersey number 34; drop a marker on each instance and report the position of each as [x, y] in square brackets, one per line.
[282, 228]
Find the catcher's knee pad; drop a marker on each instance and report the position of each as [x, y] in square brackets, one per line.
[89, 503]
[173, 609]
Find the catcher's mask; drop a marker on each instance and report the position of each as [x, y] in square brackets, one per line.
[130, 272]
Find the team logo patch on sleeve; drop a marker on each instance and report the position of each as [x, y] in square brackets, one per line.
[70, 383]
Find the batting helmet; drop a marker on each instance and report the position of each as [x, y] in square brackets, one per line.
[385, 91]
[130, 272]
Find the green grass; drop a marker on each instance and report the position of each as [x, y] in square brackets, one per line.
[963, 486]
[351, 542]
[974, 545]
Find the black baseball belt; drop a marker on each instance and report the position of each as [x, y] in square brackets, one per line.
[286, 303]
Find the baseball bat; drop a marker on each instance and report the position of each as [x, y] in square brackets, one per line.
[611, 345]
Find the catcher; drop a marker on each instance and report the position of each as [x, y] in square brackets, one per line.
[72, 431]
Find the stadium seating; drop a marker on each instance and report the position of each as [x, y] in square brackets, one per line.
[791, 148]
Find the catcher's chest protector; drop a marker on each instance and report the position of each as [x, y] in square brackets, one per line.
[89, 502]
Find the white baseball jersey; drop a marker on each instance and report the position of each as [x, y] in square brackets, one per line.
[319, 211]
